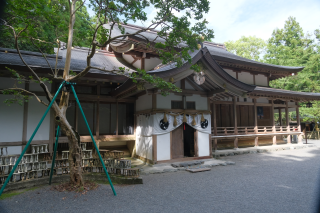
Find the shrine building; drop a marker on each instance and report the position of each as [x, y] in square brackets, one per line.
[228, 105]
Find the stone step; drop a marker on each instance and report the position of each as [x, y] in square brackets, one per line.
[198, 170]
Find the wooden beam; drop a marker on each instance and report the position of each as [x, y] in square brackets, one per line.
[255, 115]
[25, 116]
[154, 101]
[154, 149]
[98, 118]
[211, 93]
[214, 113]
[235, 115]
[117, 122]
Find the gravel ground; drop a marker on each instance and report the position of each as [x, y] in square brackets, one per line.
[283, 181]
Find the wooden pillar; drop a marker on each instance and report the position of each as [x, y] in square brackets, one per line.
[97, 118]
[183, 84]
[98, 111]
[298, 123]
[235, 115]
[214, 113]
[117, 122]
[272, 117]
[154, 101]
[280, 117]
[25, 120]
[142, 63]
[274, 140]
[287, 123]
[215, 144]
[298, 116]
[154, 148]
[256, 142]
[255, 115]
[236, 143]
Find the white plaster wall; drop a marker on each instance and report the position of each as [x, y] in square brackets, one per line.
[137, 64]
[261, 80]
[35, 113]
[14, 150]
[144, 102]
[188, 86]
[11, 121]
[203, 144]
[178, 84]
[112, 143]
[128, 58]
[163, 147]
[37, 88]
[164, 102]
[144, 147]
[292, 104]
[245, 77]
[262, 100]
[241, 99]
[232, 73]
[201, 102]
[151, 63]
[6, 83]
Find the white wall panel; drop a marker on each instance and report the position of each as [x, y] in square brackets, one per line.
[245, 77]
[6, 83]
[163, 147]
[144, 147]
[261, 80]
[203, 144]
[35, 113]
[11, 121]
[262, 100]
[37, 88]
[232, 73]
[188, 86]
[151, 63]
[178, 84]
[164, 102]
[144, 102]
[201, 102]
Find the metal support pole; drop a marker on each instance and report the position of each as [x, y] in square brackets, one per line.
[94, 142]
[54, 154]
[32, 136]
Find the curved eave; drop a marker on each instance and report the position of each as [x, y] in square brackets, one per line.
[284, 94]
[217, 78]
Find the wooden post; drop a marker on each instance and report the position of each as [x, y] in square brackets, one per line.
[280, 117]
[154, 148]
[256, 142]
[214, 113]
[236, 143]
[183, 84]
[287, 123]
[25, 120]
[274, 140]
[97, 118]
[298, 116]
[98, 112]
[255, 115]
[289, 139]
[235, 117]
[215, 144]
[272, 117]
[117, 119]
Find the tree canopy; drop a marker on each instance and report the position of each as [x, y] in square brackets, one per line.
[288, 46]
[249, 47]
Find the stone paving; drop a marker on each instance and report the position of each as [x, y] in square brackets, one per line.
[285, 181]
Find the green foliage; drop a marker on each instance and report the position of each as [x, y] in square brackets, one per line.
[46, 21]
[18, 97]
[248, 47]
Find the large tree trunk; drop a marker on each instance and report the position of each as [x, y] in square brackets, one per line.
[75, 160]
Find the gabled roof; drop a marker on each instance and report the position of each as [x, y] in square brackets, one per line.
[216, 77]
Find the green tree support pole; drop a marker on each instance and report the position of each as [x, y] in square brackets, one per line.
[32, 136]
[94, 142]
[54, 154]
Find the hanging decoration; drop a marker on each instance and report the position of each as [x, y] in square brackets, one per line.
[204, 124]
[164, 125]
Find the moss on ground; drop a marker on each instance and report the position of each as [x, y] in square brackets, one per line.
[14, 193]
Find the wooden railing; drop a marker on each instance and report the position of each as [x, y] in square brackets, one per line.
[245, 130]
